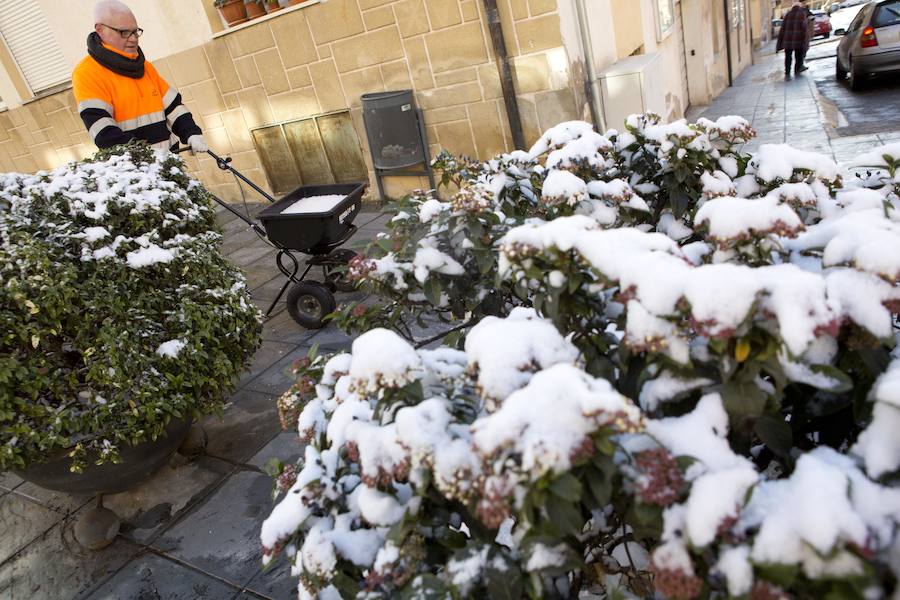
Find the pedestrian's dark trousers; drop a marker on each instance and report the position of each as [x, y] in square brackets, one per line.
[789, 58]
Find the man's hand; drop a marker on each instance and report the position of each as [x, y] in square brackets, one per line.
[197, 144]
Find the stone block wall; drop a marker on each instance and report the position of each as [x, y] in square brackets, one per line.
[322, 58]
[43, 134]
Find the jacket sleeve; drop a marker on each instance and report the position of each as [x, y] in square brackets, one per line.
[180, 120]
[96, 110]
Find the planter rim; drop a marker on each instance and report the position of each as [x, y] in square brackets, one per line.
[61, 452]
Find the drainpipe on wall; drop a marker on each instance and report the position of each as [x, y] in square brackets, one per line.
[728, 42]
[591, 86]
[506, 80]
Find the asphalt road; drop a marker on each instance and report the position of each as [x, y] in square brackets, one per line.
[875, 109]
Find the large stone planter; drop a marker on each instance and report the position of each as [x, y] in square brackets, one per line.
[98, 527]
[138, 464]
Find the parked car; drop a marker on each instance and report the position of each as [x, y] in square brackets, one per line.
[871, 45]
[821, 24]
[841, 19]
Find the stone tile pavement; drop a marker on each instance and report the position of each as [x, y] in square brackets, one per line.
[192, 531]
[811, 111]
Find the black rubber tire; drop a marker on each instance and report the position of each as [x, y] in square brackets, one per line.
[840, 73]
[856, 78]
[827, 35]
[309, 302]
[337, 280]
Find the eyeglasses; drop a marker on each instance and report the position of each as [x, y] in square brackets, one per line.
[126, 33]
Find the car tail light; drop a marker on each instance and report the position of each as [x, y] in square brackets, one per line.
[868, 39]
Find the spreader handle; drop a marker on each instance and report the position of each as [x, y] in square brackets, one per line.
[224, 164]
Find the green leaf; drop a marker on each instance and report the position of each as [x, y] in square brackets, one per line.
[448, 538]
[600, 482]
[503, 577]
[743, 400]
[601, 366]
[647, 513]
[685, 462]
[432, 289]
[399, 531]
[274, 467]
[565, 517]
[645, 520]
[680, 203]
[842, 382]
[567, 487]
[605, 446]
[822, 404]
[486, 261]
[775, 433]
[346, 585]
[783, 575]
[875, 360]
[422, 587]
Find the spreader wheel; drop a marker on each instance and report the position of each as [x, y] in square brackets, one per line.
[309, 302]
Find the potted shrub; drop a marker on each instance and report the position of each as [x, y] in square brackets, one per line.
[255, 8]
[121, 319]
[233, 11]
[691, 390]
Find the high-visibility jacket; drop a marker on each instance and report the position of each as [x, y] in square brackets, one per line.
[117, 108]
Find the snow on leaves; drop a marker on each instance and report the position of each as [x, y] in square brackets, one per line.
[748, 302]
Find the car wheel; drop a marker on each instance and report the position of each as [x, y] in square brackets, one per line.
[840, 73]
[856, 77]
[827, 35]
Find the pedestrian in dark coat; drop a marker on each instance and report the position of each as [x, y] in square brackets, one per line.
[794, 38]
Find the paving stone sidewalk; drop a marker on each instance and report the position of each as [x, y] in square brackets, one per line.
[192, 531]
[797, 112]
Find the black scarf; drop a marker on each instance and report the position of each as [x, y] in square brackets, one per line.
[115, 62]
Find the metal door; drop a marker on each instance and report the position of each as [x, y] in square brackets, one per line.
[316, 150]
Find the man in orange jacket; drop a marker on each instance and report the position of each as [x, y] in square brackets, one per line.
[120, 96]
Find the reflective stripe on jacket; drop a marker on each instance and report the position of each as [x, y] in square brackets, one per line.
[117, 109]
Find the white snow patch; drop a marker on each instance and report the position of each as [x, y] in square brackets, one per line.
[172, 348]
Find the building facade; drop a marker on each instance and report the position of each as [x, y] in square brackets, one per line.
[281, 93]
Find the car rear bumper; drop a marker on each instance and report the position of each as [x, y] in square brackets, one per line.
[883, 62]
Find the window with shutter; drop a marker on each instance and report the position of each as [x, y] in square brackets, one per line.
[31, 42]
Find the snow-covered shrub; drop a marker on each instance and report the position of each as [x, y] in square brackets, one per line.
[118, 310]
[420, 463]
[783, 307]
[439, 258]
[507, 471]
[745, 304]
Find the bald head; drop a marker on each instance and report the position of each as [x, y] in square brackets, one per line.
[112, 15]
[108, 9]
